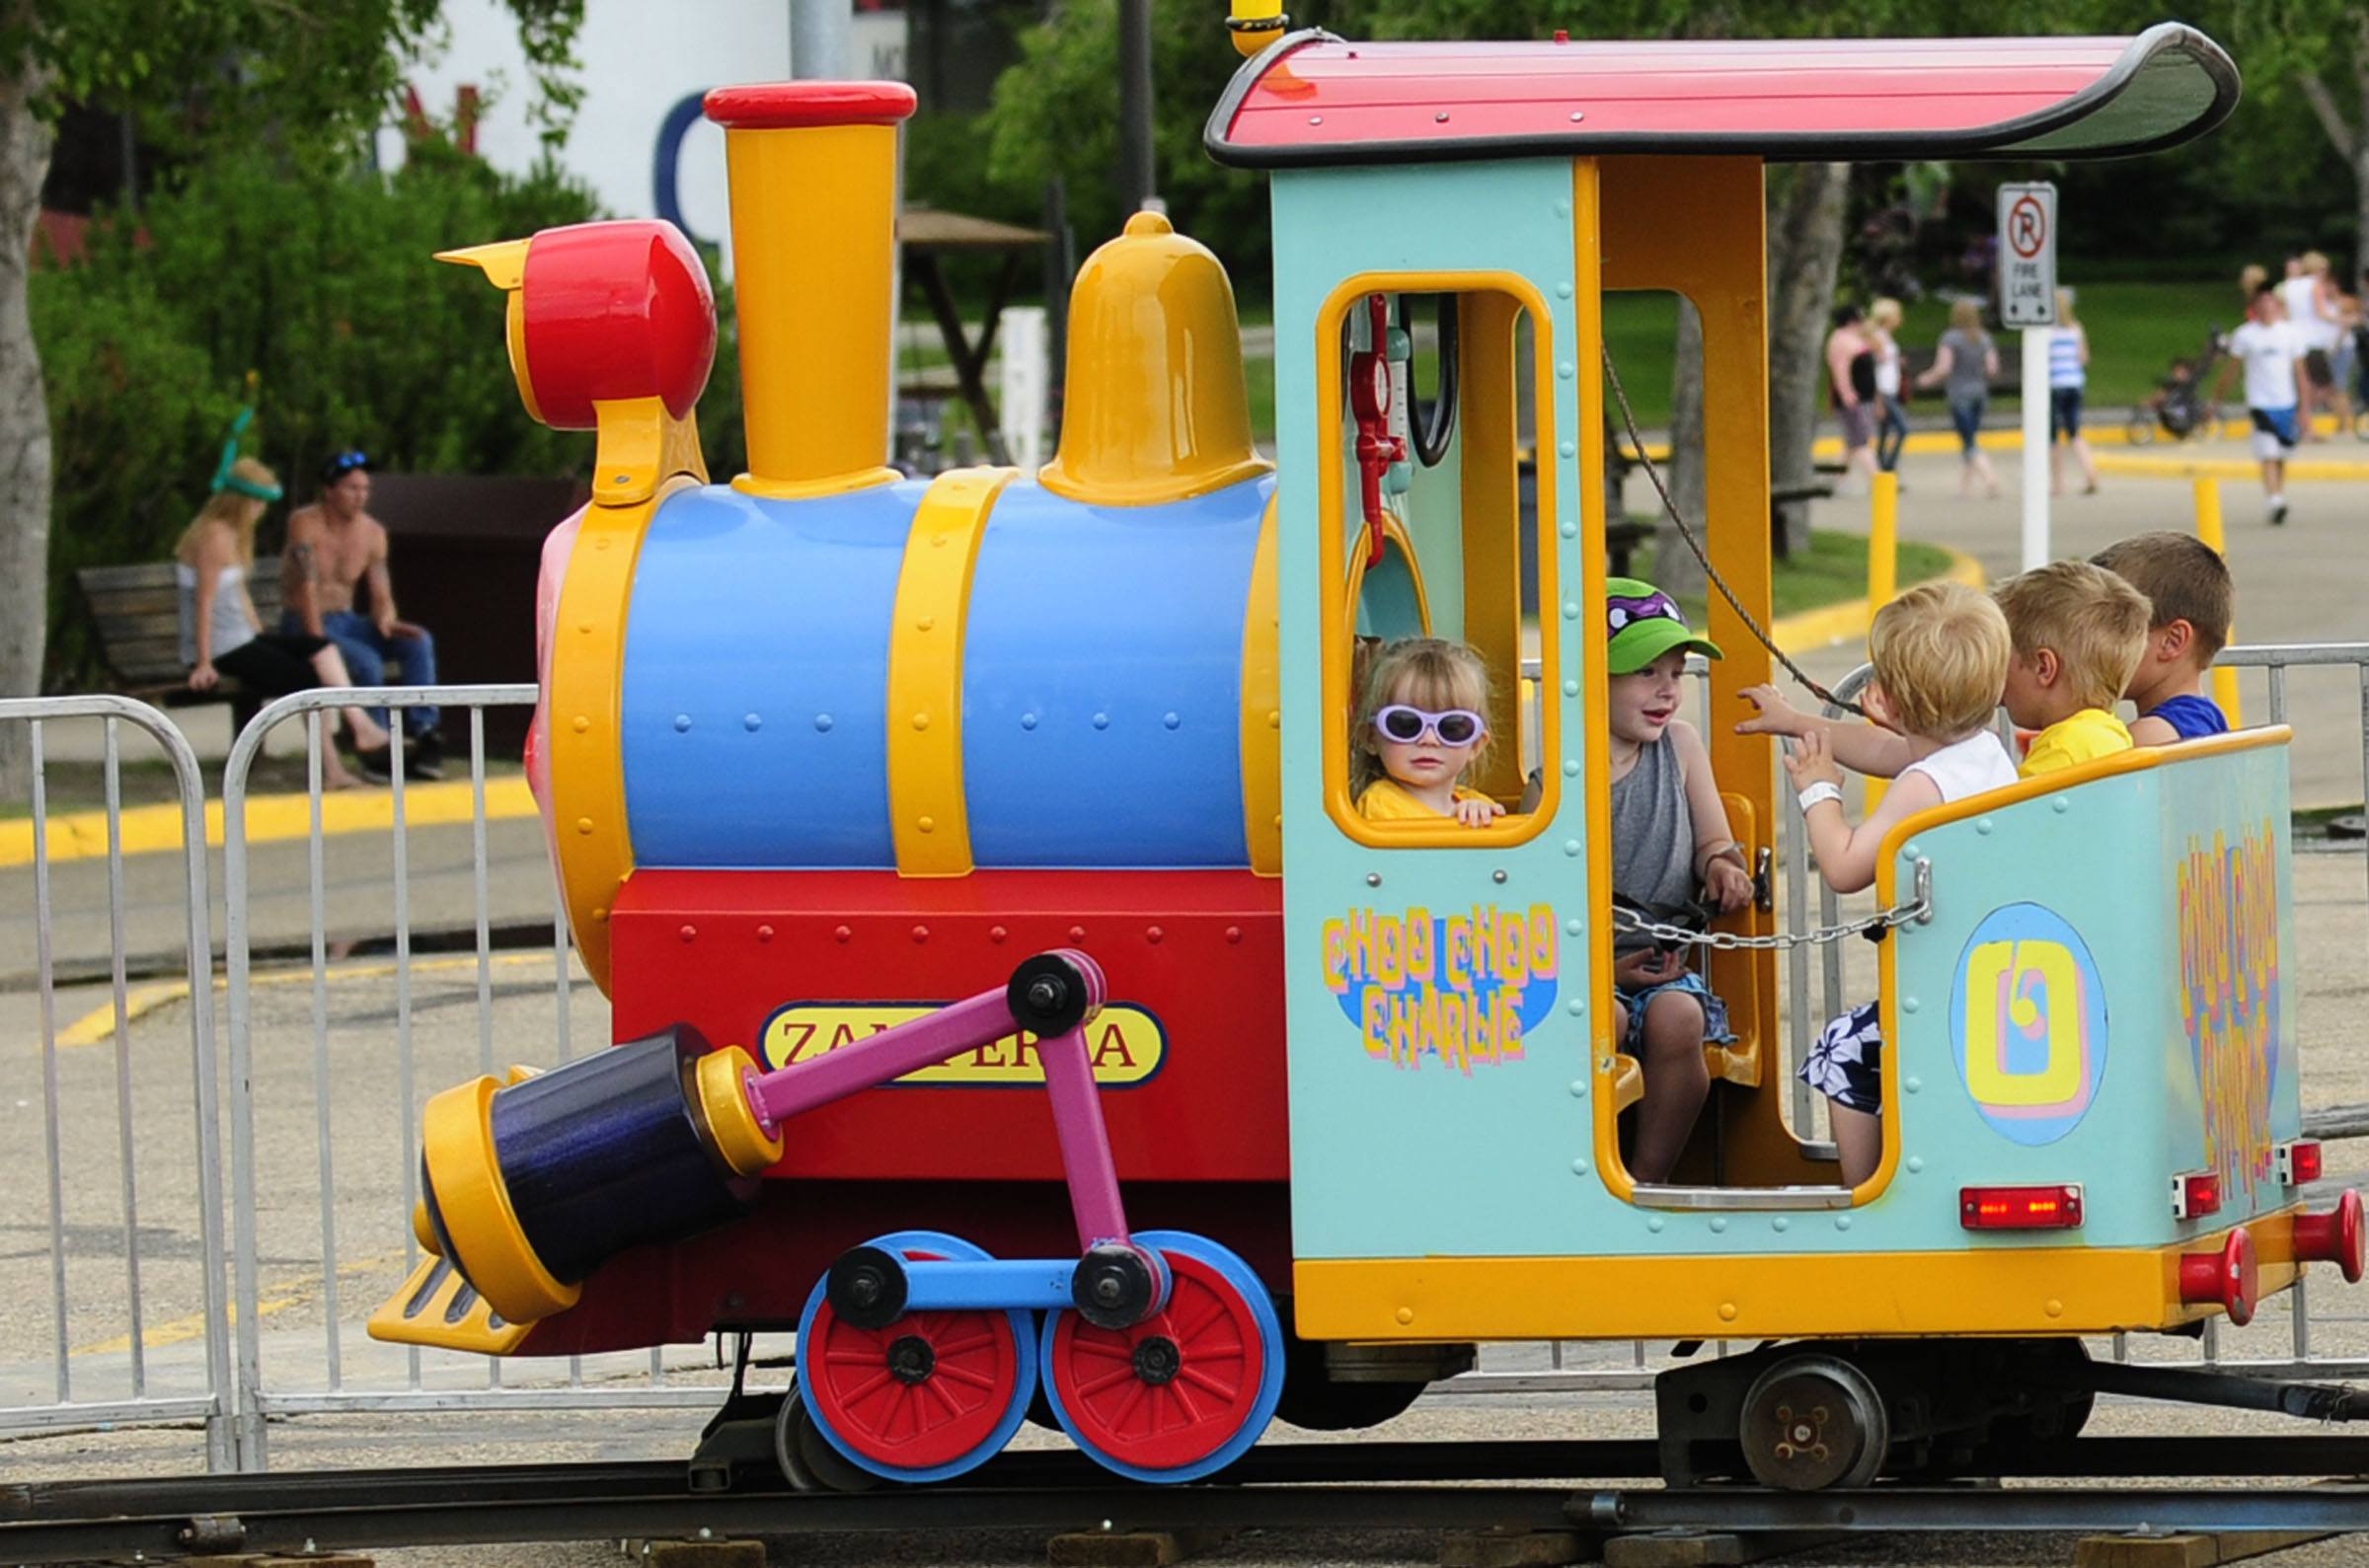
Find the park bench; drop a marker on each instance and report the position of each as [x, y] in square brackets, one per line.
[137, 612]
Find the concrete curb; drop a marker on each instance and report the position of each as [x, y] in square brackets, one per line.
[1844, 622]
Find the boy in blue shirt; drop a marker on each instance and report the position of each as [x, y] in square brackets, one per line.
[2188, 583]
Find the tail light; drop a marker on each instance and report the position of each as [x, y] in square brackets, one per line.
[2195, 1194]
[2228, 1278]
[2298, 1162]
[2332, 1238]
[2054, 1208]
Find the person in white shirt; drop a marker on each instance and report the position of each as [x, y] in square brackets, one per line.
[2310, 298]
[2271, 351]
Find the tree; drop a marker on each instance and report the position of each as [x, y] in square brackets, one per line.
[307, 81]
[2337, 47]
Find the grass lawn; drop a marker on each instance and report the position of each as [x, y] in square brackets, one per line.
[1833, 571]
[2136, 331]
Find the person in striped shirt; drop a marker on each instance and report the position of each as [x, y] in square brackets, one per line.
[2068, 378]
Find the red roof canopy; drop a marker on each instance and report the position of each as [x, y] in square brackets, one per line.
[1315, 99]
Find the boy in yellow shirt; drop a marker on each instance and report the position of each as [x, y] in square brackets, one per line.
[2078, 632]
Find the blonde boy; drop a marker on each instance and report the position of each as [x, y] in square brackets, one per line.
[2187, 583]
[2078, 630]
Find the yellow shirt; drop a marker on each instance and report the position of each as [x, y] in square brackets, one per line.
[2091, 732]
[1387, 801]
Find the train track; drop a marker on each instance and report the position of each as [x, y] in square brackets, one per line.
[1344, 1486]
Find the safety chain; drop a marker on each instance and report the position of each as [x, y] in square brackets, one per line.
[1918, 910]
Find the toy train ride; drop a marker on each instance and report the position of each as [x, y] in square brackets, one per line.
[823, 750]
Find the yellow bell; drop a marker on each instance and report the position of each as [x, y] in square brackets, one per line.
[1157, 410]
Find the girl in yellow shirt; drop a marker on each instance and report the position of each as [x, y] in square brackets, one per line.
[1421, 725]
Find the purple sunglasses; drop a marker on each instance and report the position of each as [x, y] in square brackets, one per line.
[1455, 726]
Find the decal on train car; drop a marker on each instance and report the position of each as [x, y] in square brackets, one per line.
[2229, 996]
[1126, 1044]
[2028, 1023]
[1465, 988]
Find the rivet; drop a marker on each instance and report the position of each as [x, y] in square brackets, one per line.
[1405, 1314]
[682, 723]
[1566, 370]
[1983, 826]
[1726, 1311]
[1571, 846]
[926, 824]
[601, 914]
[822, 721]
[752, 722]
[1780, 1225]
[2061, 804]
[938, 541]
[1604, 1064]
[1171, 720]
[1571, 609]
[621, 478]
[1570, 688]
[1077, 933]
[996, 933]
[1908, 1004]
[1842, 1222]
[1579, 1168]
[1563, 290]
[689, 933]
[1153, 933]
[1563, 208]
[1719, 1224]
[583, 824]
[1373, 878]
[582, 723]
[925, 623]
[1233, 934]
[1579, 1089]
[1909, 851]
[842, 934]
[1916, 1163]
[1569, 530]
[2054, 1308]
[1028, 720]
[1278, 822]
[1579, 115]
[1656, 1224]
[921, 934]
[1912, 1084]
[1571, 768]
[584, 627]
[600, 541]
[764, 933]
[1498, 876]
[921, 720]
[1440, 119]
[1315, 120]
[1102, 720]
[1275, 719]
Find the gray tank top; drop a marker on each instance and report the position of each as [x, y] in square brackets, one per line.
[1653, 838]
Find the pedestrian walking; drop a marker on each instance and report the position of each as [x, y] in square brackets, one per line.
[2068, 379]
[1964, 364]
[1891, 411]
[2311, 300]
[1850, 384]
[2272, 353]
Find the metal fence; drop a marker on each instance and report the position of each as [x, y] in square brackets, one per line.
[109, 1273]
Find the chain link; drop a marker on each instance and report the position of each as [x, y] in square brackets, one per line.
[1916, 912]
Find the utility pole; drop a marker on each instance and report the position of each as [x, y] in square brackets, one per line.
[819, 37]
[1137, 189]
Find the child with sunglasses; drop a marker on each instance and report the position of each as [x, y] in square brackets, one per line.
[1669, 837]
[1421, 725]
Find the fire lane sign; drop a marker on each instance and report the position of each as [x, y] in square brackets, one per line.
[2028, 254]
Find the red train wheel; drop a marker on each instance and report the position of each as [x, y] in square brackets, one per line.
[925, 1398]
[1182, 1393]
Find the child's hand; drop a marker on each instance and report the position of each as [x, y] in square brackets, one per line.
[1476, 811]
[1649, 967]
[1774, 717]
[1728, 883]
[1811, 761]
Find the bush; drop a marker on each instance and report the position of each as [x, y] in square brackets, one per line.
[319, 281]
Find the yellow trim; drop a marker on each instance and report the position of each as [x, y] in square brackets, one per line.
[1979, 1290]
[1489, 498]
[1332, 569]
[503, 262]
[513, 331]
[457, 1146]
[739, 1136]
[1394, 534]
[1263, 709]
[638, 448]
[928, 812]
[863, 479]
[430, 1326]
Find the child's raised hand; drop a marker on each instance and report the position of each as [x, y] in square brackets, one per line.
[1476, 811]
[1728, 883]
[1812, 761]
[1773, 714]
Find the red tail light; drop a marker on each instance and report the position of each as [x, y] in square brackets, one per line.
[2195, 1194]
[2055, 1208]
[2298, 1162]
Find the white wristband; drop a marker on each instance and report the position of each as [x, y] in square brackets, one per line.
[1822, 789]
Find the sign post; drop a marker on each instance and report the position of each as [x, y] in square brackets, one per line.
[2027, 302]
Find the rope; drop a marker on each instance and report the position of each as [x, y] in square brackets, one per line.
[1669, 509]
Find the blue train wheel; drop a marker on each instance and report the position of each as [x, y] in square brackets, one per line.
[1183, 1393]
[926, 1398]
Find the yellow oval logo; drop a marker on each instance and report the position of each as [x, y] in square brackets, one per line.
[1125, 1044]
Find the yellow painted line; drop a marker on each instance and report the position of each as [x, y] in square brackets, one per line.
[1841, 622]
[98, 1025]
[2227, 468]
[82, 835]
[2010, 438]
[181, 1330]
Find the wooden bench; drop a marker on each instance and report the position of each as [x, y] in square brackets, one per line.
[137, 610]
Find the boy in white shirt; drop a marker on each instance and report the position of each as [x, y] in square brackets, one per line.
[2271, 350]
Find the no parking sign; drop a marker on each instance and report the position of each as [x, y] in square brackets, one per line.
[2028, 254]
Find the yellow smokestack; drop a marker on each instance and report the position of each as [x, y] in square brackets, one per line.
[812, 169]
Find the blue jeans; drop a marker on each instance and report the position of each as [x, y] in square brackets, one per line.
[367, 655]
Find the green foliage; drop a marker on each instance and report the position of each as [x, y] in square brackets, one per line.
[322, 285]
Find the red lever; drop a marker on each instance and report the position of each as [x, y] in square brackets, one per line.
[2332, 1238]
[2228, 1278]
[1369, 403]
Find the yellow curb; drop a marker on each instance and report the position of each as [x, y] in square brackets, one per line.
[2010, 438]
[82, 835]
[98, 1025]
[181, 1330]
[2227, 468]
[1848, 620]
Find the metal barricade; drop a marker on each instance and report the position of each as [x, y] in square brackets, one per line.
[172, 1371]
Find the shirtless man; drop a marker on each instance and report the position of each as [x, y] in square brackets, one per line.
[334, 546]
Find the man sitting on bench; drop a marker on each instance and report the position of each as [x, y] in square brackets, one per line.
[333, 545]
